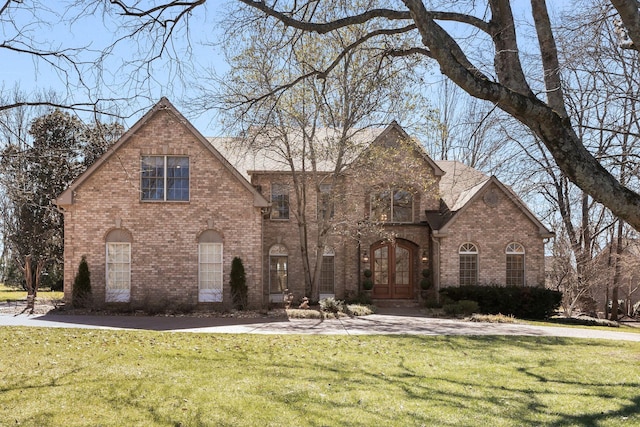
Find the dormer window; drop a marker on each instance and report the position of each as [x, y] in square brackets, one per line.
[392, 205]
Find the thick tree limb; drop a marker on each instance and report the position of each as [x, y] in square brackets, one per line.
[628, 10]
[549, 53]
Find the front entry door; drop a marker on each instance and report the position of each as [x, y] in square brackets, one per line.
[392, 270]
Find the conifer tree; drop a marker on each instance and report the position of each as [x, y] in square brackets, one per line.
[82, 285]
[238, 284]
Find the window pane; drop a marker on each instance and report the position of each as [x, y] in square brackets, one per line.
[277, 274]
[152, 184]
[402, 206]
[381, 206]
[279, 201]
[515, 270]
[381, 265]
[402, 266]
[327, 275]
[210, 268]
[118, 272]
[468, 269]
[177, 178]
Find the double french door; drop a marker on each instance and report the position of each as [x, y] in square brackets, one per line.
[392, 270]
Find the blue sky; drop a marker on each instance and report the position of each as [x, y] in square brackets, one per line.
[97, 31]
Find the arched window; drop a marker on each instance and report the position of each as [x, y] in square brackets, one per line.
[468, 253]
[118, 260]
[327, 273]
[515, 264]
[210, 272]
[278, 265]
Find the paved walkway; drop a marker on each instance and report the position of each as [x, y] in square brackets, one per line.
[394, 324]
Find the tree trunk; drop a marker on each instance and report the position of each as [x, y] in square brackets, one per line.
[617, 273]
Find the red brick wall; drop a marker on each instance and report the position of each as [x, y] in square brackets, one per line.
[164, 270]
[491, 229]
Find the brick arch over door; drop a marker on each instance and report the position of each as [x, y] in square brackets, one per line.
[393, 265]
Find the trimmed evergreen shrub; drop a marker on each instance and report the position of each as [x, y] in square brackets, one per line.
[238, 282]
[520, 301]
[81, 295]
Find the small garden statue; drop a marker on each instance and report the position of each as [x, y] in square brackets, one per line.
[304, 305]
[287, 298]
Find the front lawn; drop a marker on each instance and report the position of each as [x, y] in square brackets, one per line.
[53, 377]
[8, 294]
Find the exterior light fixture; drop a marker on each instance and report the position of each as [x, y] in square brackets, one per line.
[424, 257]
[365, 256]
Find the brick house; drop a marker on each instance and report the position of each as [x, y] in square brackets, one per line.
[161, 215]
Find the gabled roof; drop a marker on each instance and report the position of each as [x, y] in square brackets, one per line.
[268, 158]
[66, 198]
[459, 183]
[466, 196]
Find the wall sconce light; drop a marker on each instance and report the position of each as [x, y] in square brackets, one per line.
[365, 256]
[424, 257]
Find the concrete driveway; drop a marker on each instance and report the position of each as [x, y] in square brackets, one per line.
[394, 324]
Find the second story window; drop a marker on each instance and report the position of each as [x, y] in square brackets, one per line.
[392, 205]
[279, 201]
[165, 178]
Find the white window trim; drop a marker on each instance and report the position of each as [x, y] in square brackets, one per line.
[277, 250]
[515, 248]
[117, 295]
[465, 249]
[211, 294]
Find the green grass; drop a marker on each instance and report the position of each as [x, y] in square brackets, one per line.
[52, 377]
[8, 294]
[621, 328]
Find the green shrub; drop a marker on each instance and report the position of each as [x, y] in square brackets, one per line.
[468, 307]
[238, 283]
[452, 309]
[367, 273]
[519, 301]
[81, 295]
[361, 298]
[425, 283]
[432, 303]
[331, 305]
[367, 284]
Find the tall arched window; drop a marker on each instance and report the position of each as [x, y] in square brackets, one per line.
[210, 274]
[468, 264]
[278, 265]
[515, 264]
[118, 260]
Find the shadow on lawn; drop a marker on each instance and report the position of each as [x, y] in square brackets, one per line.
[155, 323]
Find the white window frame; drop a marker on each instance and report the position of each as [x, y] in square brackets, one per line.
[329, 253]
[466, 249]
[515, 248]
[210, 272]
[122, 275]
[278, 251]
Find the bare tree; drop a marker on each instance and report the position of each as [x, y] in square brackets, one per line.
[507, 86]
[314, 130]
